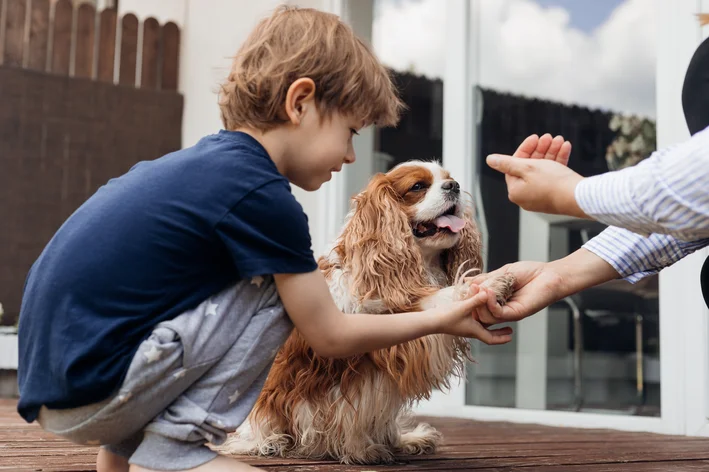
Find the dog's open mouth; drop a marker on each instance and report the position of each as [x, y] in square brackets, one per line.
[446, 222]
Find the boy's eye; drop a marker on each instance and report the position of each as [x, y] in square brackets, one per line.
[418, 186]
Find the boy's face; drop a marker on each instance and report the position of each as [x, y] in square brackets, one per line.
[320, 147]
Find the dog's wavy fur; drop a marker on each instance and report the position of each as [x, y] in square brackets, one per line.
[357, 410]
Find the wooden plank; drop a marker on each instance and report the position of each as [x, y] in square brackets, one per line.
[14, 32]
[39, 35]
[170, 56]
[151, 54]
[85, 41]
[506, 448]
[673, 466]
[3, 14]
[61, 38]
[106, 45]
[129, 49]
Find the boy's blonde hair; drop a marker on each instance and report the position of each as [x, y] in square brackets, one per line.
[294, 43]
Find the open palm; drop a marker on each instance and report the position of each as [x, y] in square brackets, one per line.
[555, 149]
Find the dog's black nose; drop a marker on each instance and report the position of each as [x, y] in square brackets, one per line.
[451, 186]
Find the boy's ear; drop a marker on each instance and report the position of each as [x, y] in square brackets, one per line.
[300, 95]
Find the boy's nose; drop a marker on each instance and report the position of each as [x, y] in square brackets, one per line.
[350, 156]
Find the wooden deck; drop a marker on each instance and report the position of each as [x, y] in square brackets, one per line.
[469, 445]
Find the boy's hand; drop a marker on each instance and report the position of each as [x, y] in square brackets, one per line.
[461, 319]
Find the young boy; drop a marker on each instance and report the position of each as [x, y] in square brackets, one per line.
[151, 319]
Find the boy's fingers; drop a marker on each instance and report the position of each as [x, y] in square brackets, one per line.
[527, 147]
[542, 147]
[475, 301]
[506, 331]
[496, 336]
[494, 307]
[555, 147]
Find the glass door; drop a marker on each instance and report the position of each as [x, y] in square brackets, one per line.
[478, 77]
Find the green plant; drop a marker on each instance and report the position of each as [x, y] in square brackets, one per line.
[635, 140]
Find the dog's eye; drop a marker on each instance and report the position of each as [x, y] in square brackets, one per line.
[418, 186]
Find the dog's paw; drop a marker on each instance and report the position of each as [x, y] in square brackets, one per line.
[370, 454]
[276, 445]
[424, 439]
[502, 286]
[236, 445]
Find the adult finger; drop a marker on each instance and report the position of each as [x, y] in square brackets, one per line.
[514, 311]
[542, 147]
[527, 147]
[555, 147]
[514, 166]
[564, 153]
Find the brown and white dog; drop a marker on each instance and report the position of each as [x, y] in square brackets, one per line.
[402, 248]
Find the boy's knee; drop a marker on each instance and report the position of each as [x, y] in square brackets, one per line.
[106, 461]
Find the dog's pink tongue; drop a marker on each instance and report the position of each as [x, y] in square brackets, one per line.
[451, 222]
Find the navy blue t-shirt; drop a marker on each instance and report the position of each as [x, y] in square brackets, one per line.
[146, 247]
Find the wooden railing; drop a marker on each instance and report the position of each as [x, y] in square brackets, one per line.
[55, 37]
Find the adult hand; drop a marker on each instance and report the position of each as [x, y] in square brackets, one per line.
[536, 286]
[539, 284]
[540, 185]
[534, 147]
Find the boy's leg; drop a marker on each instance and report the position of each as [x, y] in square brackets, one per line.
[221, 399]
[110, 462]
[114, 457]
[194, 380]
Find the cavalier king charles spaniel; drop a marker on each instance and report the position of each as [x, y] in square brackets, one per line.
[403, 246]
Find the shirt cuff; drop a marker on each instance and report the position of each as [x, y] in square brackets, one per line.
[635, 257]
[606, 198]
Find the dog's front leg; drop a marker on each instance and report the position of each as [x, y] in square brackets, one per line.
[502, 286]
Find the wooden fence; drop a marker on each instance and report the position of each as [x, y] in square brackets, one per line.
[84, 95]
[59, 38]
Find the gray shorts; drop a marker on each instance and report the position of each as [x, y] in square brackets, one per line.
[193, 381]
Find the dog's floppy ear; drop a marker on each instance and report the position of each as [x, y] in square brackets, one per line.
[379, 252]
[468, 251]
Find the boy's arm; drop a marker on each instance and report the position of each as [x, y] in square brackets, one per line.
[332, 333]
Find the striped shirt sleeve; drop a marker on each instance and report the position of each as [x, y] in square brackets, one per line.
[658, 210]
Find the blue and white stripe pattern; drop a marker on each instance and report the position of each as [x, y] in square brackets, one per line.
[657, 210]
